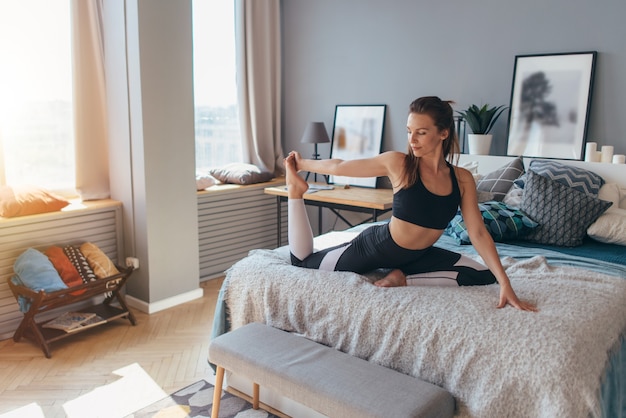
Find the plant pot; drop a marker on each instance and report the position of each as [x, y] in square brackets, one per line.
[479, 144]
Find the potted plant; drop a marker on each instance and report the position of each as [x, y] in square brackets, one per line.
[480, 121]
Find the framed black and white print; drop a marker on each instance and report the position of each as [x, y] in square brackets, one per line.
[357, 133]
[550, 103]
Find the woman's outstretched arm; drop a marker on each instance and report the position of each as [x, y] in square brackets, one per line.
[483, 242]
[381, 165]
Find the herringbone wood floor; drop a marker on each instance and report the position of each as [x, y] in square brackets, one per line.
[171, 346]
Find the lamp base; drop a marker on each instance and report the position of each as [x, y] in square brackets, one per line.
[316, 156]
[315, 177]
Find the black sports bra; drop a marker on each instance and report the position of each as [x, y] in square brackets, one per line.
[417, 205]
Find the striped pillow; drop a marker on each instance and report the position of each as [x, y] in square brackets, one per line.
[577, 178]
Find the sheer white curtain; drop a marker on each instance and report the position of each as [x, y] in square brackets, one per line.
[92, 156]
[257, 38]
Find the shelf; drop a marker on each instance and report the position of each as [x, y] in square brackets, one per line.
[41, 302]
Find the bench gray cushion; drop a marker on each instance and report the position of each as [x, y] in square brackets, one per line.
[324, 379]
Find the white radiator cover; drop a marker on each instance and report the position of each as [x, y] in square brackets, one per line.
[232, 220]
[97, 222]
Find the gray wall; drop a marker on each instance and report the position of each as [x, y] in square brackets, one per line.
[391, 52]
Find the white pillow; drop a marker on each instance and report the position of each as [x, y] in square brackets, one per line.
[204, 180]
[471, 166]
[610, 227]
[513, 197]
[610, 193]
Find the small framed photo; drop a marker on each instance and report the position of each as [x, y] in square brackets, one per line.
[357, 133]
[550, 103]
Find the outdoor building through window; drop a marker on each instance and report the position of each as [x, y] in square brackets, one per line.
[36, 121]
[218, 137]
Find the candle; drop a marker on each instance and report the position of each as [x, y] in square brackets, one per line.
[606, 154]
[619, 159]
[590, 151]
[598, 156]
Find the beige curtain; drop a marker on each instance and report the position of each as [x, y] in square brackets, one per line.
[90, 127]
[258, 81]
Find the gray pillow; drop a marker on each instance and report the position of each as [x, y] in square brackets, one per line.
[563, 213]
[577, 178]
[240, 173]
[499, 182]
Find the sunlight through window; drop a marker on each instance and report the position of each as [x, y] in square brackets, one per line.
[218, 137]
[36, 122]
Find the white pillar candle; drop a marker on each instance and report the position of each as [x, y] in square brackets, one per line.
[607, 153]
[598, 156]
[619, 159]
[590, 151]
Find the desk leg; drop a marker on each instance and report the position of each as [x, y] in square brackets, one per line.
[278, 220]
[319, 220]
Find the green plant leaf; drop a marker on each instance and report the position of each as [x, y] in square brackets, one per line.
[481, 119]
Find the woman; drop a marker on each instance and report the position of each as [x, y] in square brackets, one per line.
[427, 192]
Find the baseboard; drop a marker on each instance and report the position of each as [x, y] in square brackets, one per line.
[161, 305]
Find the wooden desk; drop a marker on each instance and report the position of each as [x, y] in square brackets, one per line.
[355, 199]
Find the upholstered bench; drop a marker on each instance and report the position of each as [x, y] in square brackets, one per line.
[322, 378]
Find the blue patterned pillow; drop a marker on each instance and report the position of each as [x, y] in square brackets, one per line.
[575, 177]
[563, 212]
[502, 222]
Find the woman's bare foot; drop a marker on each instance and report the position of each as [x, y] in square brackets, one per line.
[395, 278]
[296, 186]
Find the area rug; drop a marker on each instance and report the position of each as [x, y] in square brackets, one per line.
[195, 401]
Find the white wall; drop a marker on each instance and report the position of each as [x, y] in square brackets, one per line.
[153, 149]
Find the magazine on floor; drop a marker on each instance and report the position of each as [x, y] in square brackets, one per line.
[74, 321]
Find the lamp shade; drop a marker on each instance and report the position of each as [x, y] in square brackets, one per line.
[315, 133]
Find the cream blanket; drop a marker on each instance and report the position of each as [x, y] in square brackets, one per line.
[496, 362]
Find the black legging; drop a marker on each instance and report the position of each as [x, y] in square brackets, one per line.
[374, 248]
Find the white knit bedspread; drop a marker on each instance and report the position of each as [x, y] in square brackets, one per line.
[495, 362]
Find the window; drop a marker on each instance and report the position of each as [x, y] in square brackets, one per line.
[218, 137]
[36, 121]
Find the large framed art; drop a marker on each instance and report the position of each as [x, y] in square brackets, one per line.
[357, 133]
[550, 102]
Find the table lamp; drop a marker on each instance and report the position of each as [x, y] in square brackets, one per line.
[315, 133]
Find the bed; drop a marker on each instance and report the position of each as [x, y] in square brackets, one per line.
[569, 359]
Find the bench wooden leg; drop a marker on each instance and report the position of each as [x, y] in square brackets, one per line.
[217, 391]
[255, 396]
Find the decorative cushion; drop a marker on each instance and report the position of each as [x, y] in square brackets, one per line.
[513, 197]
[502, 221]
[499, 182]
[610, 227]
[611, 193]
[204, 180]
[240, 173]
[63, 266]
[28, 200]
[484, 196]
[80, 262]
[35, 271]
[577, 178]
[563, 213]
[101, 265]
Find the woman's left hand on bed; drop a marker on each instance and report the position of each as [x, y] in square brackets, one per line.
[507, 295]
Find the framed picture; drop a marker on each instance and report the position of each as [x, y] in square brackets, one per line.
[357, 133]
[550, 103]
